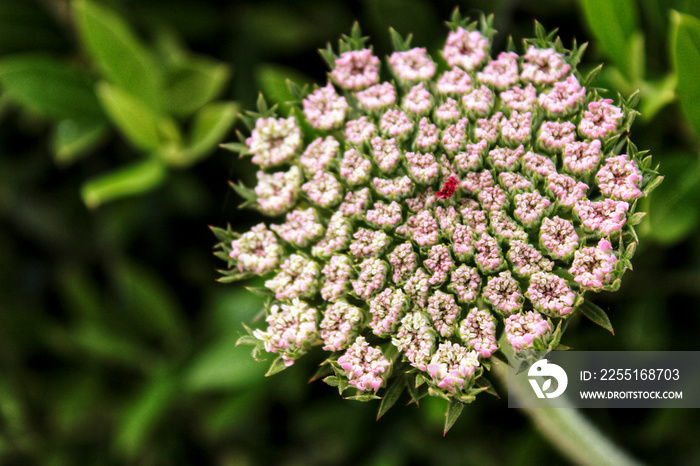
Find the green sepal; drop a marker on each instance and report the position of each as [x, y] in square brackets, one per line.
[328, 55]
[615, 285]
[399, 43]
[260, 291]
[223, 255]
[416, 393]
[338, 380]
[264, 111]
[237, 147]
[297, 92]
[540, 31]
[355, 41]
[225, 236]
[636, 218]
[645, 163]
[592, 76]
[231, 276]
[544, 38]
[246, 193]
[652, 185]
[577, 53]
[633, 100]
[510, 45]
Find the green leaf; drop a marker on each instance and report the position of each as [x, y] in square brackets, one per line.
[592, 76]
[273, 81]
[143, 127]
[454, 409]
[685, 51]
[673, 209]
[74, 138]
[231, 306]
[130, 180]
[692, 7]
[49, 87]
[151, 306]
[222, 365]
[144, 412]
[390, 396]
[276, 367]
[118, 53]
[94, 341]
[364, 398]
[323, 371]
[636, 58]
[596, 315]
[79, 293]
[193, 84]
[613, 23]
[210, 126]
[658, 94]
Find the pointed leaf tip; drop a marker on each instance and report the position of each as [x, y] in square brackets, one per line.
[596, 315]
[454, 410]
[390, 396]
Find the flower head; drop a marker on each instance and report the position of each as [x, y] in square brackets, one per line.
[426, 212]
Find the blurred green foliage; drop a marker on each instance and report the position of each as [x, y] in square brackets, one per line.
[118, 347]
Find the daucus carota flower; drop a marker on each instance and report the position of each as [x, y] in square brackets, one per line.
[421, 213]
[274, 141]
[365, 366]
[356, 69]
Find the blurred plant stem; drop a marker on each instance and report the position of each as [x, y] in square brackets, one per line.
[567, 430]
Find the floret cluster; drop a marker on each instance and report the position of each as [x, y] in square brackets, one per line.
[437, 211]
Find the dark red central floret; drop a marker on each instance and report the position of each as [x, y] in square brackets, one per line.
[449, 188]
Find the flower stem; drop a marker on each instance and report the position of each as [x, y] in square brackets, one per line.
[566, 429]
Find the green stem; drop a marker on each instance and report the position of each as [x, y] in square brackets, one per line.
[572, 434]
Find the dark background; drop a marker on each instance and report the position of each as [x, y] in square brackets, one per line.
[117, 345]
